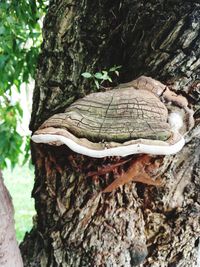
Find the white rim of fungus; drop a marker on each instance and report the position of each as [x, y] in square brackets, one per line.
[139, 148]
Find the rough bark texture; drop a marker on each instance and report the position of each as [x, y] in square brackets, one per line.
[136, 225]
[9, 250]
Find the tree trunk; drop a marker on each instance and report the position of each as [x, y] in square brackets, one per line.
[136, 225]
[9, 251]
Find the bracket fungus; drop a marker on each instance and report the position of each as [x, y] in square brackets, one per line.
[142, 116]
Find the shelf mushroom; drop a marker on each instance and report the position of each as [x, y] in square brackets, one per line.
[140, 117]
[132, 118]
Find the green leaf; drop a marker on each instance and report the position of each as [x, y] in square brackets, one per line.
[105, 72]
[3, 59]
[114, 68]
[27, 155]
[2, 30]
[98, 75]
[86, 75]
[105, 76]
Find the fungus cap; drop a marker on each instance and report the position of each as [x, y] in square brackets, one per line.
[118, 122]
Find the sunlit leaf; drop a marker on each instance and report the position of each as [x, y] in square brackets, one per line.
[114, 68]
[20, 40]
[86, 75]
[98, 75]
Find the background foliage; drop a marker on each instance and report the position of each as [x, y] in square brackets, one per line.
[20, 39]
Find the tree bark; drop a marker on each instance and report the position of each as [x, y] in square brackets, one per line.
[136, 225]
[9, 250]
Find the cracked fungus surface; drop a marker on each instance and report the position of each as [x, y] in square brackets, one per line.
[115, 115]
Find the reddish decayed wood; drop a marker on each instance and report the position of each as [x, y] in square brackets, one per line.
[136, 173]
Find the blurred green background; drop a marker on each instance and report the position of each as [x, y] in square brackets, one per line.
[20, 40]
[19, 182]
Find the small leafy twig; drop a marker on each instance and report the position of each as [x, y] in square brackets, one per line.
[100, 77]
